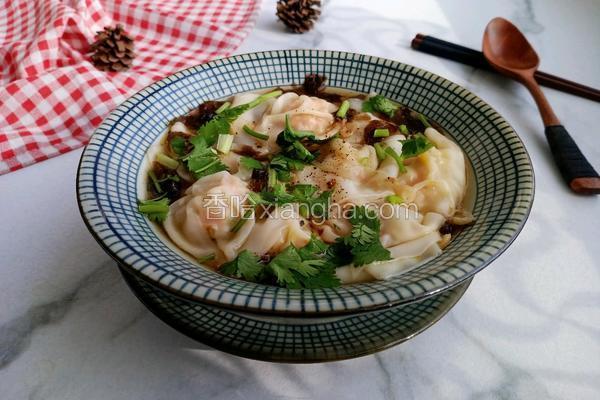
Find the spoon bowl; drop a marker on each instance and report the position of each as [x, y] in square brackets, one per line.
[508, 48]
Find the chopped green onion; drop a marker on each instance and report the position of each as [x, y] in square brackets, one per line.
[283, 175]
[255, 134]
[381, 132]
[224, 143]
[166, 161]
[424, 121]
[272, 178]
[264, 97]
[303, 152]
[155, 182]
[255, 198]
[206, 258]
[240, 222]
[380, 151]
[344, 107]
[154, 206]
[223, 107]
[403, 129]
[303, 210]
[364, 161]
[394, 199]
[399, 159]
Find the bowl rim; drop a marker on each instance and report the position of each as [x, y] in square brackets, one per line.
[283, 292]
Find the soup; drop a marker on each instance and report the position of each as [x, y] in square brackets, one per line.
[307, 187]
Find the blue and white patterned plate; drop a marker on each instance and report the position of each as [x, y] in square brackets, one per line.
[298, 340]
[110, 176]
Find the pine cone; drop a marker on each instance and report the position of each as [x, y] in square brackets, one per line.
[298, 15]
[112, 50]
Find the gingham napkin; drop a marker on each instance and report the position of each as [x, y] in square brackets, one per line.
[52, 97]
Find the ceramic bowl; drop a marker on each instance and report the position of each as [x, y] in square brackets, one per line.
[110, 181]
[293, 339]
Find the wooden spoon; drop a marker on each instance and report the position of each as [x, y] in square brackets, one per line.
[509, 52]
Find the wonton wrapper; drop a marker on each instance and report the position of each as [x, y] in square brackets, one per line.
[200, 222]
[405, 257]
[437, 178]
[305, 114]
[282, 228]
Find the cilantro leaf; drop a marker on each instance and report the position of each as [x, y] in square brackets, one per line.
[363, 241]
[415, 146]
[369, 253]
[319, 205]
[293, 143]
[315, 246]
[365, 226]
[326, 278]
[156, 210]
[246, 265]
[211, 130]
[283, 175]
[285, 263]
[283, 163]
[306, 267]
[289, 135]
[363, 234]
[250, 163]
[221, 123]
[339, 254]
[304, 194]
[178, 145]
[303, 191]
[278, 195]
[380, 104]
[362, 246]
[203, 160]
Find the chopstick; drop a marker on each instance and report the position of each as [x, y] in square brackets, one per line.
[474, 58]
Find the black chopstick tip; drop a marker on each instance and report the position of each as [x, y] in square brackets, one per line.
[417, 40]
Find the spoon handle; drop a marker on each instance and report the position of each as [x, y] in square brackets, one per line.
[574, 167]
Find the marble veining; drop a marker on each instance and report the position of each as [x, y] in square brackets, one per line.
[527, 328]
[525, 16]
[15, 334]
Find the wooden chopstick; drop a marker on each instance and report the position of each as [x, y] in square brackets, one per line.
[474, 58]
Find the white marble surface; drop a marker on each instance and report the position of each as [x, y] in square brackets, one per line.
[529, 326]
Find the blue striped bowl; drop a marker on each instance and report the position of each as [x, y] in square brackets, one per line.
[109, 180]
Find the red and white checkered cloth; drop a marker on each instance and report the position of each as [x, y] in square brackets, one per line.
[52, 97]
